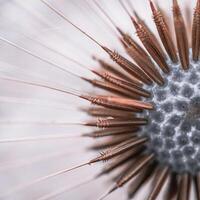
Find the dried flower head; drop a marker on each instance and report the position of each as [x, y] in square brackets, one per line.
[148, 117]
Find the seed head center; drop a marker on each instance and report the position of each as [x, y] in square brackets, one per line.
[174, 125]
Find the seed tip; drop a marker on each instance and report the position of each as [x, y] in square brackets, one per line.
[135, 22]
[109, 192]
[152, 6]
[175, 3]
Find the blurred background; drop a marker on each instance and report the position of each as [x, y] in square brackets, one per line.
[30, 111]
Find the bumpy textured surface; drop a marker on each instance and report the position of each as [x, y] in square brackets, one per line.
[174, 125]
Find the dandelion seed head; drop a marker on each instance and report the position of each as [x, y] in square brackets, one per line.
[145, 98]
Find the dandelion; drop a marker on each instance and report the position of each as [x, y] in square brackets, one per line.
[144, 112]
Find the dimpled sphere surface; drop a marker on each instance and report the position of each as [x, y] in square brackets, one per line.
[174, 124]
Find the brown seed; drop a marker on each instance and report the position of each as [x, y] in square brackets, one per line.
[121, 160]
[172, 190]
[110, 123]
[106, 112]
[181, 36]
[145, 65]
[196, 32]
[150, 45]
[164, 33]
[197, 185]
[139, 165]
[151, 34]
[112, 88]
[160, 179]
[123, 83]
[184, 187]
[106, 102]
[112, 132]
[128, 66]
[141, 179]
[131, 102]
[120, 149]
[113, 69]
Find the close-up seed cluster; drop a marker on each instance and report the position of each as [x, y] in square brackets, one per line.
[174, 125]
[143, 116]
